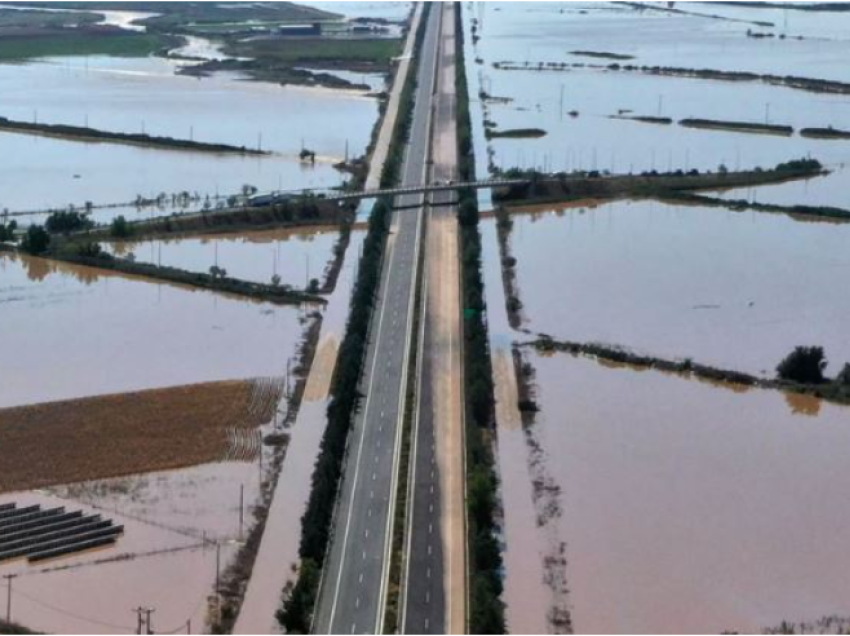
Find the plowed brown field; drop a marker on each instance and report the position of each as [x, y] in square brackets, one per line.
[114, 435]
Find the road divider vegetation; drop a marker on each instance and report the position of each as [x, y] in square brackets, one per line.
[485, 567]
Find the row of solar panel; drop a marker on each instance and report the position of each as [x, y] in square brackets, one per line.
[45, 534]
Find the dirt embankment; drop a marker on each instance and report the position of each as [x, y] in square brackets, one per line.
[833, 391]
[295, 213]
[94, 135]
[594, 185]
[115, 435]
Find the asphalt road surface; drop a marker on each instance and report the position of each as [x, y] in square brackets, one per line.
[353, 593]
[434, 583]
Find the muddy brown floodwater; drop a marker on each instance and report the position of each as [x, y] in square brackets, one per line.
[294, 255]
[689, 507]
[74, 326]
[730, 289]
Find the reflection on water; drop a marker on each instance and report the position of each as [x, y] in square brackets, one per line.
[108, 174]
[74, 331]
[592, 140]
[134, 95]
[295, 256]
[693, 510]
[131, 94]
[729, 289]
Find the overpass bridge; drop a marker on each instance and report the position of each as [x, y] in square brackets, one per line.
[337, 195]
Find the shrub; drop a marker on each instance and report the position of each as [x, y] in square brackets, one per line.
[120, 228]
[843, 378]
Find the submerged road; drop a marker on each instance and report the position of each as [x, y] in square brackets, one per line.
[353, 593]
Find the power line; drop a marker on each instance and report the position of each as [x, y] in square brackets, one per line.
[59, 610]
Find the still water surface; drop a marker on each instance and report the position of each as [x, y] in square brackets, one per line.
[294, 255]
[692, 508]
[76, 331]
[729, 289]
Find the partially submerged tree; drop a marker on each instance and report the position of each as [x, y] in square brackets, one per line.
[36, 240]
[120, 228]
[804, 365]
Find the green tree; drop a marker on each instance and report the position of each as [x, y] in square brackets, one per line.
[120, 227]
[804, 365]
[297, 610]
[36, 240]
[7, 232]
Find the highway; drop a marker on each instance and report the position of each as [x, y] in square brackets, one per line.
[353, 592]
[434, 580]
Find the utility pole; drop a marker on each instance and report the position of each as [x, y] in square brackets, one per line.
[138, 610]
[241, 508]
[561, 108]
[9, 578]
[148, 612]
[218, 570]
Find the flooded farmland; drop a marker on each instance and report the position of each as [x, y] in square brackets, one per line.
[735, 290]
[172, 522]
[158, 335]
[146, 95]
[680, 511]
[296, 256]
[636, 501]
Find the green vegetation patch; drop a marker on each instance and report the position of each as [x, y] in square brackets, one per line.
[72, 42]
[515, 133]
[183, 14]
[310, 50]
[18, 18]
[486, 611]
[825, 133]
[604, 55]
[738, 126]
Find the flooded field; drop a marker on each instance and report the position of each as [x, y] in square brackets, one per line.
[145, 95]
[74, 326]
[106, 174]
[166, 558]
[735, 290]
[680, 513]
[667, 39]
[296, 256]
[624, 502]
[578, 104]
